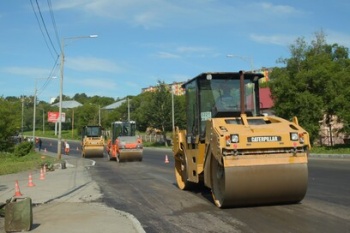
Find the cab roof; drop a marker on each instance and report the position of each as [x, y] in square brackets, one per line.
[224, 75]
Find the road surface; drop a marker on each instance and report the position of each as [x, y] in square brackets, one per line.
[148, 191]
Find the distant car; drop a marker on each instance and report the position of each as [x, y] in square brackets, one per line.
[29, 139]
[17, 138]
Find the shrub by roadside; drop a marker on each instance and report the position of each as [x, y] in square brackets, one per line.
[12, 163]
[23, 149]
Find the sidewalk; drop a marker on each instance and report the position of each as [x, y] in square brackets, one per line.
[67, 200]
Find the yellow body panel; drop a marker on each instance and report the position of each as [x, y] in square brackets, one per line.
[245, 173]
[93, 147]
[243, 156]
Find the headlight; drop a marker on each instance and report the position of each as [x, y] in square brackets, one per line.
[234, 138]
[294, 136]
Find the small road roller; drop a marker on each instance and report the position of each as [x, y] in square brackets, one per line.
[92, 141]
[124, 144]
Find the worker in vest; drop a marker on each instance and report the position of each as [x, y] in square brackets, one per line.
[66, 148]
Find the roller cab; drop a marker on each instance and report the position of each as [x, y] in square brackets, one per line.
[243, 156]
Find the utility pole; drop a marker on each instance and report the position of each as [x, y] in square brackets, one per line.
[59, 143]
[172, 108]
[22, 115]
[34, 112]
[128, 110]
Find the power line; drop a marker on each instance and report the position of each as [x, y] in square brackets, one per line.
[47, 38]
[43, 21]
[49, 78]
[41, 30]
[54, 23]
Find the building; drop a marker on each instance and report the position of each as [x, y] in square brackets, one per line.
[114, 105]
[176, 87]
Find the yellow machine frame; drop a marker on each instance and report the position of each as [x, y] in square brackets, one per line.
[244, 158]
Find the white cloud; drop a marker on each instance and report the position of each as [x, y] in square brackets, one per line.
[283, 40]
[184, 50]
[147, 14]
[286, 40]
[96, 83]
[193, 49]
[338, 37]
[116, 87]
[92, 64]
[161, 13]
[26, 71]
[277, 9]
[69, 4]
[166, 55]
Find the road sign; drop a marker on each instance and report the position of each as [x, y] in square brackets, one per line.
[54, 117]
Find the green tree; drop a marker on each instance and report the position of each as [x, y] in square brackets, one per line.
[157, 110]
[10, 122]
[313, 84]
[180, 111]
[87, 114]
[161, 117]
[142, 104]
[81, 98]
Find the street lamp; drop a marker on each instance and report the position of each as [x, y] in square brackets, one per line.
[34, 106]
[251, 62]
[247, 59]
[22, 100]
[172, 108]
[34, 112]
[59, 143]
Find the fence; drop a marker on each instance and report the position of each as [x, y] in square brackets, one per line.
[152, 138]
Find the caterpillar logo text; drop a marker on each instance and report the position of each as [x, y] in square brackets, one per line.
[264, 139]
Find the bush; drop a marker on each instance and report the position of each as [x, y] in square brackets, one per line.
[23, 149]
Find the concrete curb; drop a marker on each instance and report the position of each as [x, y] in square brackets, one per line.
[312, 155]
[331, 156]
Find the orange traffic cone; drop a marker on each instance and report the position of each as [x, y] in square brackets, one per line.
[30, 181]
[42, 175]
[166, 159]
[17, 191]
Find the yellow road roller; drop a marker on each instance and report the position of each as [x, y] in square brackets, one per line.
[244, 156]
[92, 143]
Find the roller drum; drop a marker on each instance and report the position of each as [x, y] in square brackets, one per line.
[256, 185]
[130, 155]
[95, 151]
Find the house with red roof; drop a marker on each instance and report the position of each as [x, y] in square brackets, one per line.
[266, 102]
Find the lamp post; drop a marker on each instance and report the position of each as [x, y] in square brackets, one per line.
[34, 111]
[247, 59]
[128, 110]
[172, 108]
[59, 143]
[251, 63]
[22, 100]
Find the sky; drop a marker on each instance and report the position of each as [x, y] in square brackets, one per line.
[141, 42]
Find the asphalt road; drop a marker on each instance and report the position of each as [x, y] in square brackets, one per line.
[51, 146]
[147, 190]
